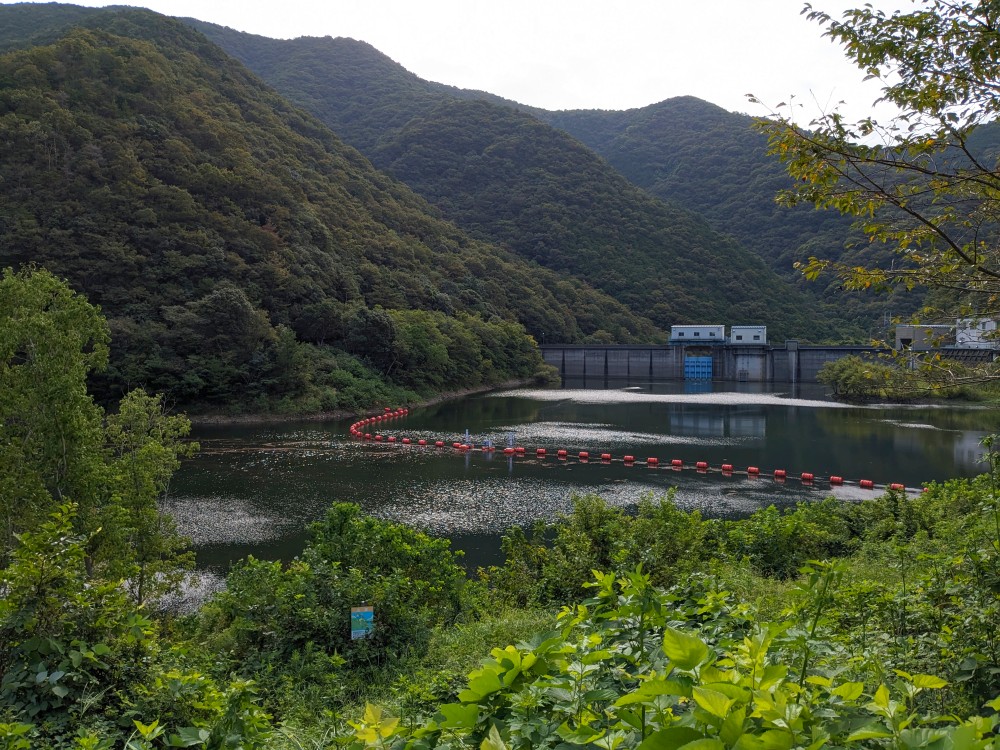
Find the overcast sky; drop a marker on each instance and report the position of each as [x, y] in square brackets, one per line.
[570, 54]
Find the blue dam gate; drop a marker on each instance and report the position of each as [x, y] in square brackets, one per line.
[697, 368]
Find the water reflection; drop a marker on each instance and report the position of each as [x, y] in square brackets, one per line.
[253, 490]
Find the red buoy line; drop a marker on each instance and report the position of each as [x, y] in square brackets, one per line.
[362, 430]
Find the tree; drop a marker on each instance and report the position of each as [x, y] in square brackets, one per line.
[922, 181]
[145, 447]
[50, 429]
[58, 446]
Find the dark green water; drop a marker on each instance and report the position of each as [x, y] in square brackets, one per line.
[253, 489]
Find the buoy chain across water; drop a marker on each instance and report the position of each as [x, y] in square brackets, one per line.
[361, 430]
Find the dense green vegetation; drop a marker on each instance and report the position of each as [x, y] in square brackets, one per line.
[135, 151]
[504, 176]
[674, 631]
[242, 254]
[922, 178]
[711, 161]
[747, 642]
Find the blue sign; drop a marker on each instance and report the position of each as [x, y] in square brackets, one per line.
[362, 622]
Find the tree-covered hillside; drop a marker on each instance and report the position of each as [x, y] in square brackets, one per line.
[697, 155]
[505, 176]
[221, 229]
[385, 111]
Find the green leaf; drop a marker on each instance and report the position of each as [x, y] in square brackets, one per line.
[929, 682]
[480, 686]
[685, 651]
[651, 689]
[849, 691]
[148, 731]
[706, 743]
[189, 737]
[493, 741]
[581, 735]
[713, 701]
[459, 715]
[868, 733]
[732, 727]
[881, 698]
[772, 739]
[670, 738]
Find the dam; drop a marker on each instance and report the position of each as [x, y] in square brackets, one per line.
[748, 363]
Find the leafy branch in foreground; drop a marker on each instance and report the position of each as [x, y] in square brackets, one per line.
[923, 182]
[638, 667]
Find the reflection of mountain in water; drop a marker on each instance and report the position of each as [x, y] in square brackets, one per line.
[696, 424]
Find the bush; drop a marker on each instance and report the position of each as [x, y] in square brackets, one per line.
[288, 626]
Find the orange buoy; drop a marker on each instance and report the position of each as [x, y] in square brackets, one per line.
[421, 442]
[836, 480]
[753, 471]
[677, 463]
[629, 459]
[392, 438]
[727, 468]
[508, 451]
[780, 473]
[605, 456]
[406, 441]
[701, 465]
[368, 436]
[897, 486]
[866, 484]
[807, 477]
[539, 451]
[652, 461]
[583, 455]
[378, 438]
[439, 443]
[561, 453]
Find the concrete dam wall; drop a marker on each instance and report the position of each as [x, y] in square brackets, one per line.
[789, 363]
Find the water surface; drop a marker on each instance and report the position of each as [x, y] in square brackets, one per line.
[253, 489]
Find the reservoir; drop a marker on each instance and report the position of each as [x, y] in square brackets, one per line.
[253, 489]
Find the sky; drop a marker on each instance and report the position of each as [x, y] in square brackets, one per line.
[584, 54]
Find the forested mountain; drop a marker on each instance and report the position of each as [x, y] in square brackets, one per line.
[223, 231]
[686, 151]
[712, 161]
[506, 177]
[704, 158]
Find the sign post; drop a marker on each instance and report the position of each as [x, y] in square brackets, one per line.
[362, 621]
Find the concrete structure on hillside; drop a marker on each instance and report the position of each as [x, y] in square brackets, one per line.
[921, 338]
[748, 335]
[700, 334]
[977, 333]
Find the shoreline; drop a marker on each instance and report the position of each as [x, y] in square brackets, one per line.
[333, 416]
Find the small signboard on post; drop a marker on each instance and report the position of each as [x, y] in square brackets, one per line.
[362, 621]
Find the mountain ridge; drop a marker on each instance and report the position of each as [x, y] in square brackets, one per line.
[223, 229]
[378, 116]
